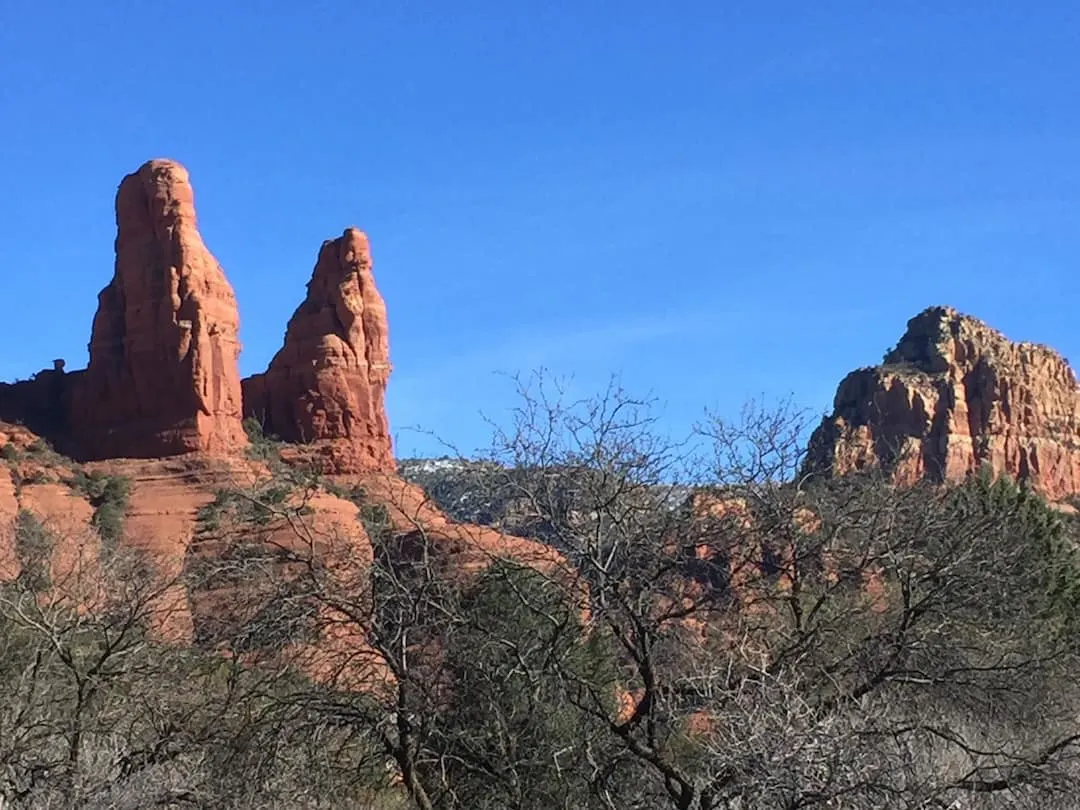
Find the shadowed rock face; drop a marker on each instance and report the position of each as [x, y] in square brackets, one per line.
[953, 396]
[163, 376]
[326, 386]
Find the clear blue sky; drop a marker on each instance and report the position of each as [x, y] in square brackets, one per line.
[719, 200]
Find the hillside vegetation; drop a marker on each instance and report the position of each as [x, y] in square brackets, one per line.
[727, 633]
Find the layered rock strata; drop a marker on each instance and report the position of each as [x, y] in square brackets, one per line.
[953, 396]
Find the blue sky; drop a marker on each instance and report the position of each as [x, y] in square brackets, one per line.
[717, 200]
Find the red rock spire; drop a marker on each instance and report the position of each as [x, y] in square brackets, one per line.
[327, 384]
[163, 376]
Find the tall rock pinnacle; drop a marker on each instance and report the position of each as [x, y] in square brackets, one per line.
[163, 376]
[955, 395]
[327, 385]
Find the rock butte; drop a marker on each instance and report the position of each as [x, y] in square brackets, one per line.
[955, 395]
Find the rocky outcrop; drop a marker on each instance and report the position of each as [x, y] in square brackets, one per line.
[42, 404]
[163, 382]
[955, 395]
[326, 386]
[163, 376]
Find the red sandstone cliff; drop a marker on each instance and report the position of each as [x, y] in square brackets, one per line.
[952, 396]
[163, 376]
[325, 387]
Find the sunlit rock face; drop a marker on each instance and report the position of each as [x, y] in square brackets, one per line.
[953, 396]
[163, 377]
[326, 387]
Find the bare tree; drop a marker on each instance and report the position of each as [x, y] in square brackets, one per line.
[99, 710]
[450, 670]
[723, 630]
[790, 642]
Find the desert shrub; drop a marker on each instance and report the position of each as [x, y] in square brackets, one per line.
[33, 547]
[37, 476]
[109, 495]
[511, 735]
[1047, 564]
[375, 519]
[39, 447]
[42, 451]
[262, 447]
[355, 493]
[256, 507]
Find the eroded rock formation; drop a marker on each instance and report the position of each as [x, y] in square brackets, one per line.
[163, 381]
[326, 386]
[163, 376]
[955, 395]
